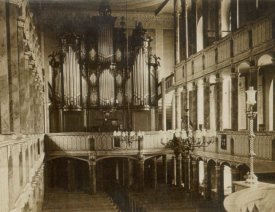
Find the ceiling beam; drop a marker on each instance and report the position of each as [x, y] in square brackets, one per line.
[158, 10]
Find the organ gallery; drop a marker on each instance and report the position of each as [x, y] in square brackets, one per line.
[101, 73]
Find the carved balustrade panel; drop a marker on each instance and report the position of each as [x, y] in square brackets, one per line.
[240, 42]
[261, 31]
[210, 59]
[198, 64]
[224, 50]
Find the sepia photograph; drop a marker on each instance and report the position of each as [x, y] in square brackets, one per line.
[137, 106]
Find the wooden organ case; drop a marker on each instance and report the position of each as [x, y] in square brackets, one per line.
[103, 81]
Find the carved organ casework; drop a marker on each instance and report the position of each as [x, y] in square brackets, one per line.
[94, 72]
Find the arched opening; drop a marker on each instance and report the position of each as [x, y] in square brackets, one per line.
[227, 180]
[116, 172]
[68, 174]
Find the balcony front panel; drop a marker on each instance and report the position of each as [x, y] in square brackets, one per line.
[210, 58]
[262, 31]
[236, 144]
[241, 41]
[83, 143]
[246, 42]
[223, 50]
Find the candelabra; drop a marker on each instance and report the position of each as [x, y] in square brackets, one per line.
[128, 136]
[184, 141]
[251, 95]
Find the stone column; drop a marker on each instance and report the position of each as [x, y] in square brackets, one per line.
[177, 29]
[164, 165]
[194, 112]
[219, 183]
[187, 166]
[92, 175]
[117, 170]
[173, 112]
[200, 104]
[155, 173]
[219, 103]
[195, 177]
[71, 175]
[174, 170]
[212, 102]
[128, 173]
[4, 75]
[140, 164]
[234, 99]
[163, 91]
[179, 170]
[206, 102]
[178, 108]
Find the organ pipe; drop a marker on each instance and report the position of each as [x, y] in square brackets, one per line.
[89, 75]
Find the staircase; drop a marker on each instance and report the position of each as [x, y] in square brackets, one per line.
[63, 201]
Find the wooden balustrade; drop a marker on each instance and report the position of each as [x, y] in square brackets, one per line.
[241, 41]
[237, 144]
[103, 142]
[261, 31]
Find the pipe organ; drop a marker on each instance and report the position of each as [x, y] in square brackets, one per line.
[104, 68]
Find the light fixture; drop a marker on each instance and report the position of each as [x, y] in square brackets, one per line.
[128, 136]
[185, 141]
[251, 101]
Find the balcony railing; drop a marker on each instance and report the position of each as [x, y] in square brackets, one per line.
[84, 142]
[232, 143]
[257, 36]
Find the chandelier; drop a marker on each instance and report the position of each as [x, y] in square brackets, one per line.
[184, 141]
[128, 136]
